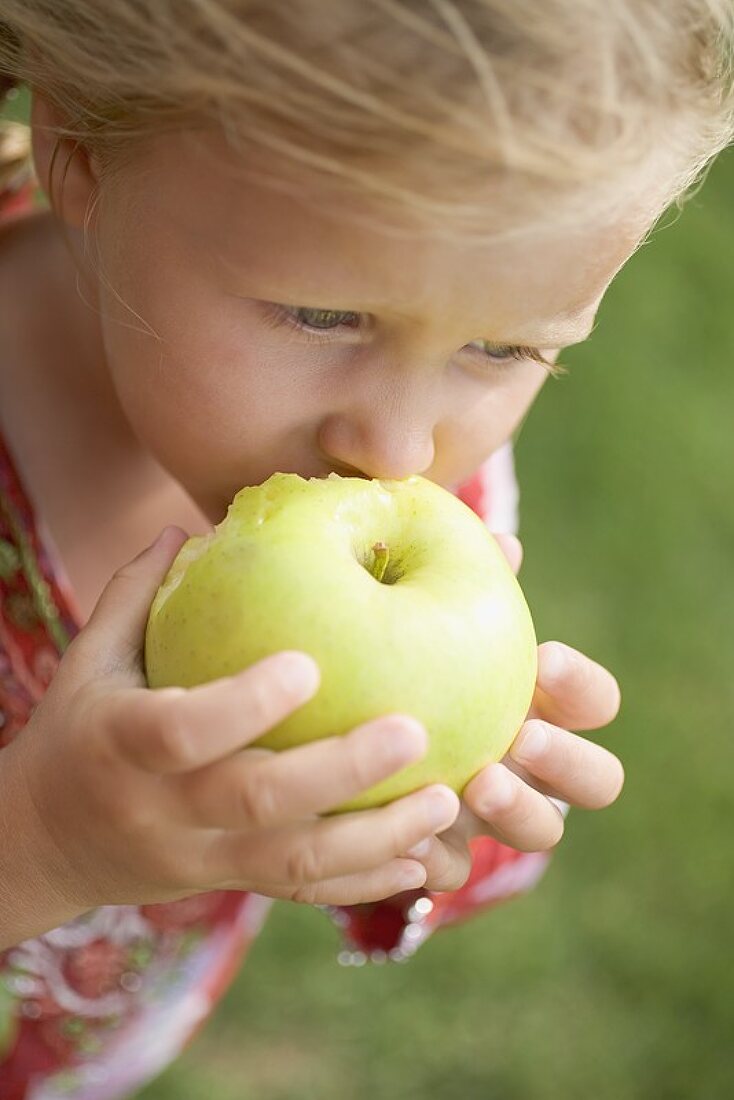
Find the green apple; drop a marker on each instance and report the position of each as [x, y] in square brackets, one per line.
[395, 588]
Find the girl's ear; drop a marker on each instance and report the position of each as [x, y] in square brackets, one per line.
[65, 169]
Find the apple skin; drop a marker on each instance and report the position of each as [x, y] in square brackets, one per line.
[446, 635]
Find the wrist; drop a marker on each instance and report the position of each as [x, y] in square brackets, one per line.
[35, 894]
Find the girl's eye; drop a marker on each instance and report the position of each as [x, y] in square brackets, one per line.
[323, 319]
[312, 321]
[503, 352]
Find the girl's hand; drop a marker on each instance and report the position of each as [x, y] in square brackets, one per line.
[512, 800]
[141, 796]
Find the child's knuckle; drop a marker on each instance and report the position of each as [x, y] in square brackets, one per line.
[92, 725]
[453, 873]
[523, 813]
[174, 743]
[303, 864]
[399, 829]
[359, 764]
[307, 893]
[584, 676]
[137, 814]
[571, 760]
[263, 691]
[258, 804]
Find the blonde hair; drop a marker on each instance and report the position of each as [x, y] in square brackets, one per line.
[415, 104]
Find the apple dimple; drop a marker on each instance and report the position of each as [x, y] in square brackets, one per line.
[386, 569]
[381, 553]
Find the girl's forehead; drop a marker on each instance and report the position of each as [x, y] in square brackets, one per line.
[540, 287]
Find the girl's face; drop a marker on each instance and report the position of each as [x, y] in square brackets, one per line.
[259, 335]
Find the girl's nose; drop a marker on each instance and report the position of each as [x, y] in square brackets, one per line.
[377, 444]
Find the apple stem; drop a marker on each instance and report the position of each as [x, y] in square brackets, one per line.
[382, 556]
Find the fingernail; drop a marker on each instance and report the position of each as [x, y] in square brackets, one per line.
[406, 739]
[553, 664]
[165, 535]
[420, 850]
[501, 793]
[158, 541]
[442, 808]
[412, 877]
[298, 673]
[532, 742]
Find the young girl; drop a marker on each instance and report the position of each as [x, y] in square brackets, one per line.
[321, 236]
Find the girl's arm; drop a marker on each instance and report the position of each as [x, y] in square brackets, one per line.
[31, 900]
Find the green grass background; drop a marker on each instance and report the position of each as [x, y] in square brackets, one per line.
[613, 979]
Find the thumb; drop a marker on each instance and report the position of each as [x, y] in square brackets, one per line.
[511, 547]
[113, 638]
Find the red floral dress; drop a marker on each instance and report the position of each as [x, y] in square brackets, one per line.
[93, 1010]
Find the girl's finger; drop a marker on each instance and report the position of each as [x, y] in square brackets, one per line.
[566, 766]
[375, 885]
[314, 850]
[516, 813]
[511, 547]
[573, 691]
[253, 789]
[447, 860]
[173, 729]
[112, 641]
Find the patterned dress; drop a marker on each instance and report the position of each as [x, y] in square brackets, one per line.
[93, 1010]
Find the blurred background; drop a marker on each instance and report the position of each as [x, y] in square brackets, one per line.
[613, 979]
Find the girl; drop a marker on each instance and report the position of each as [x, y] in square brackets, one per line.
[312, 237]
